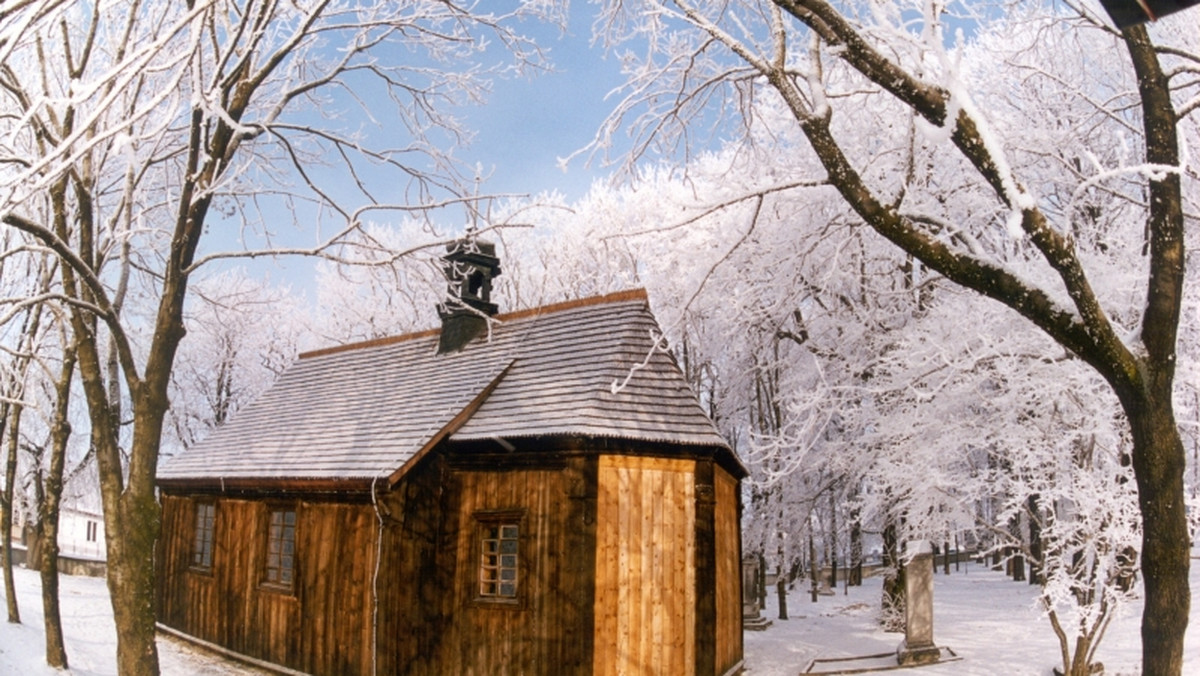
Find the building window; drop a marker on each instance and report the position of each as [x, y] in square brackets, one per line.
[92, 527]
[202, 547]
[499, 565]
[281, 548]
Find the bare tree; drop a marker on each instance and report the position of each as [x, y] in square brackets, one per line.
[820, 61]
[145, 126]
[27, 280]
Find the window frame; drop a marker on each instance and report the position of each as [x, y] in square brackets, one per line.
[278, 584]
[484, 522]
[196, 561]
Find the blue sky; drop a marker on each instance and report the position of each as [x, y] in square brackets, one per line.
[521, 130]
[528, 123]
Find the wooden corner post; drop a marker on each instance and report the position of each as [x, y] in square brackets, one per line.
[706, 570]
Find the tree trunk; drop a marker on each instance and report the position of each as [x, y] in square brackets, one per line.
[1035, 541]
[1140, 374]
[56, 651]
[832, 549]
[1158, 455]
[131, 585]
[10, 419]
[781, 591]
[893, 580]
[813, 569]
[761, 582]
[855, 572]
[131, 514]
[1159, 463]
[6, 523]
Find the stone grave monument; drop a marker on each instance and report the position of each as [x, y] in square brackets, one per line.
[917, 646]
[752, 572]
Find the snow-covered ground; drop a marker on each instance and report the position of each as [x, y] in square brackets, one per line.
[91, 637]
[989, 621]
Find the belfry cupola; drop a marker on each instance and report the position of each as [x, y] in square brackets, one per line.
[470, 265]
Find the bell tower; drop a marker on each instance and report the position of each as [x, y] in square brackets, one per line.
[470, 265]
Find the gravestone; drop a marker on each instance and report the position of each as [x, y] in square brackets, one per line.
[752, 618]
[917, 646]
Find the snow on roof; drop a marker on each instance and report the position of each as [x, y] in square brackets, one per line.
[361, 412]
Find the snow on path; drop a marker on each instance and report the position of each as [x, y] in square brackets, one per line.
[990, 621]
[987, 619]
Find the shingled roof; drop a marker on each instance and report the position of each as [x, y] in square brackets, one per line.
[368, 411]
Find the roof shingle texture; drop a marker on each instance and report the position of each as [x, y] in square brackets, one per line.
[360, 412]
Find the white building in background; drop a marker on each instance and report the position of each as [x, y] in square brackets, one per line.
[81, 534]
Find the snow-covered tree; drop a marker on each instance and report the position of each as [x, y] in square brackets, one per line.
[242, 333]
[1026, 163]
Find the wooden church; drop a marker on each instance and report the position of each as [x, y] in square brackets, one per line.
[530, 493]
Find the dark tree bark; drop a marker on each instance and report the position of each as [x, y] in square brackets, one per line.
[761, 582]
[893, 579]
[781, 591]
[6, 522]
[814, 570]
[131, 511]
[56, 651]
[1158, 456]
[1035, 540]
[1016, 560]
[833, 542]
[856, 563]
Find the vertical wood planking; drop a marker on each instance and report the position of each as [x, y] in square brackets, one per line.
[608, 565]
[610, 549]
[529, 635]
[319, 627]
[705, 568]
[645, 582]
[729, 647]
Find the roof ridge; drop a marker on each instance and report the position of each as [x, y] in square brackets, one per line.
[617, 297]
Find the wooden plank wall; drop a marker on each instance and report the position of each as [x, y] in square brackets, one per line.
[645, 578]
[729, 574]
[608, 577]
[451, 631]
[414, 615]
[527, 638]
[322, 627]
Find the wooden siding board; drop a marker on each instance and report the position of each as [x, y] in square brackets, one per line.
[644, 547]
[318, 629]
[417, 572]
[729, 648]
[705, 569]
[530, 636]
